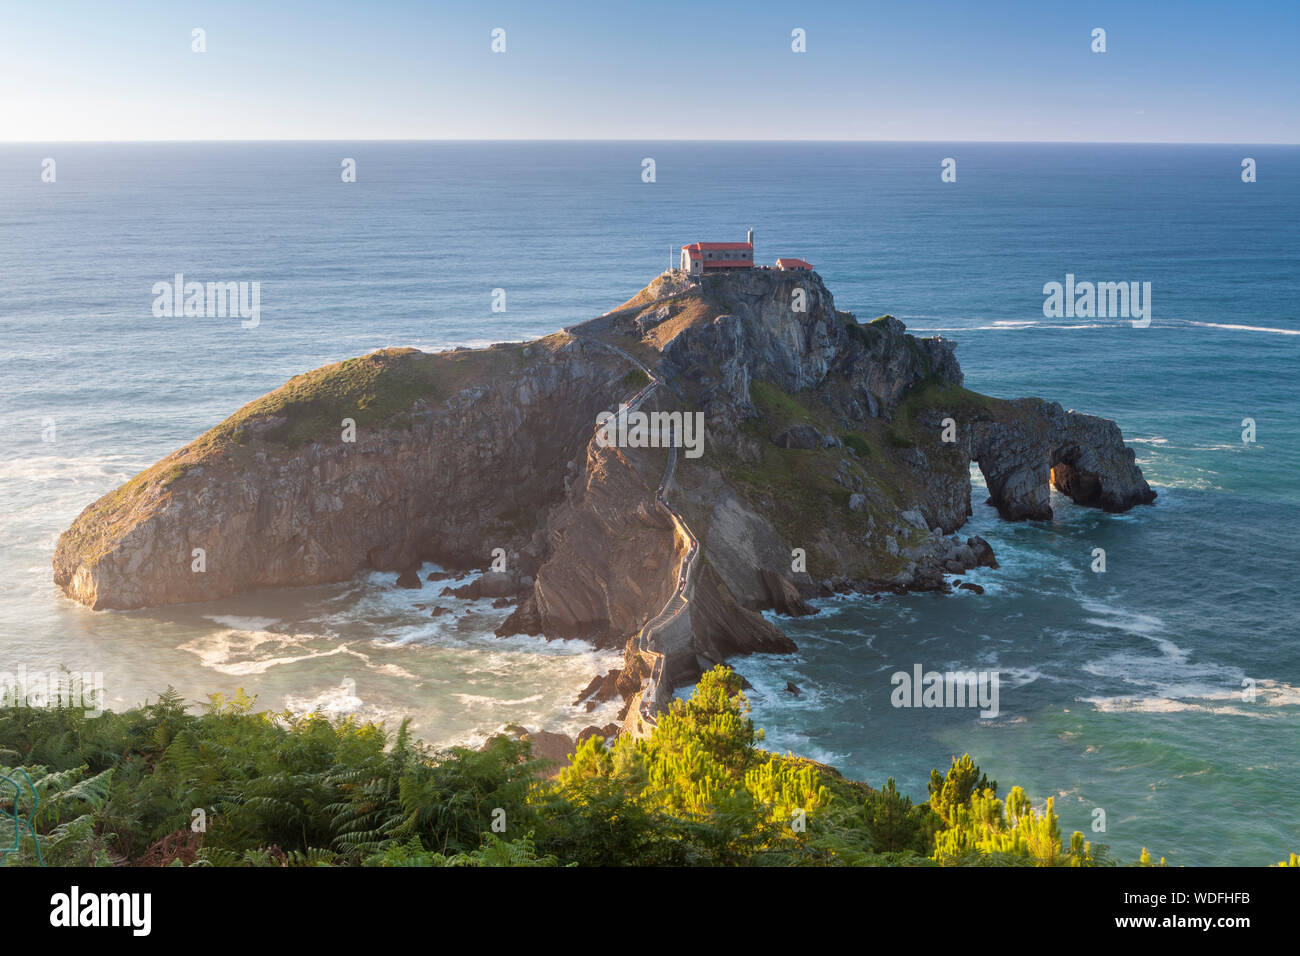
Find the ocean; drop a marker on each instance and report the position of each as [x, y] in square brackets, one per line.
[1121, 692]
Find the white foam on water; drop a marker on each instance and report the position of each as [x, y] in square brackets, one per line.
[1020, 676]
[473, 699]
[768, 696]
[1244, 328]
[1023, 562]
[233, 651]
[529, 644]
[386, 670]
[236, 623]
[1168, 705]
[1185, 484]
[1172, 682]
[336, 702]
[475, 679]
[41, 469]
[992, 585]
[390, 670]
[1013, 325]
[431, 632]
[801, 745]
[1276, 693]
[827, 608]
[1167, 676]
[1131, 622]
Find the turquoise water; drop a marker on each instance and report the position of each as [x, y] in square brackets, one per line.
[1120, 691]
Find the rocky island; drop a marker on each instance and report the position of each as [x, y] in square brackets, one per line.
[835, 457]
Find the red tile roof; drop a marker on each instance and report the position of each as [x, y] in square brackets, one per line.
[793, 264]
[695, 248]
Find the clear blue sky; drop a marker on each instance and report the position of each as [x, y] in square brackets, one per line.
[923, 70]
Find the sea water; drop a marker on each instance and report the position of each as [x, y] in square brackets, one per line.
[1121, 691]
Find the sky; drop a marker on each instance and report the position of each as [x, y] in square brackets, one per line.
[1188, 71]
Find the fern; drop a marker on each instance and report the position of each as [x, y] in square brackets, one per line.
[59, 807]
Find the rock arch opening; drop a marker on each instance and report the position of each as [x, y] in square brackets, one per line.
[1076, 482]
[1020, 484]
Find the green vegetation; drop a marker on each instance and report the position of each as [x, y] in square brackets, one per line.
[861, 447]
[278, 790]
[369, 389]
[635, 380]
[794, 487]
[778, 408]
[866, 335]
[898, 440]
[949, 399]
[798, 488]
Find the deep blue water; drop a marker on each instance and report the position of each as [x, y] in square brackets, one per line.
[1120, 691]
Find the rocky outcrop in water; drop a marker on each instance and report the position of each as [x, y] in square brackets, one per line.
[1082, 456]
[836, 458]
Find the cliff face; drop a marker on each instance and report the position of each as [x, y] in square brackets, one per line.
[1084, 457]
[454, 455]
[610, 554]
[836, 456]
[839, 452]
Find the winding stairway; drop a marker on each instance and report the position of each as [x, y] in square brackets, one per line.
[641, 715]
